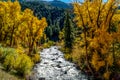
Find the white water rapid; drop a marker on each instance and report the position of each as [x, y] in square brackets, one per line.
[53, 66]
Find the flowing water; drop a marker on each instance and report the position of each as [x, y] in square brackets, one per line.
[53, 66]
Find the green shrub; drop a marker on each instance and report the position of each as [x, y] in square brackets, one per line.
[10, 61]
[68, 57]
[14, 59]
[4, 52]
[36, 58]
[23, 64]
[48, 44]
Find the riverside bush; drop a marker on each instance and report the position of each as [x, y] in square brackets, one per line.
[48, 44]
[10, 61]
[68, 57]
[36, 58]
[4, 52]
[14, 59]
[23, 64]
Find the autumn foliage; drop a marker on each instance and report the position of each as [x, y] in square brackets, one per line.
[22, 31]
[100, 41]
[17, 27]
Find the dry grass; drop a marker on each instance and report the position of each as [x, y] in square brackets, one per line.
[7, 76]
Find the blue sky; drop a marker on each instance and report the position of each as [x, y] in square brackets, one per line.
[68, 1]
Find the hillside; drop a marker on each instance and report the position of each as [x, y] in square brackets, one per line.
[54, 15]
[60, 4]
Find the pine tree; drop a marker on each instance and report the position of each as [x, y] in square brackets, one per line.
[49, 32]
[68, 33]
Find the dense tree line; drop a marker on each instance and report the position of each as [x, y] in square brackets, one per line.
[54, 16]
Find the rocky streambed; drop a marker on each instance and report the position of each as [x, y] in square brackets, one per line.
[53, 66]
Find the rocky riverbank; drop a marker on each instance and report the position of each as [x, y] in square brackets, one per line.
[53, 66]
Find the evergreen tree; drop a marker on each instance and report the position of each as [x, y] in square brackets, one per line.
[49, 31]
[68, 33]
[56, 31]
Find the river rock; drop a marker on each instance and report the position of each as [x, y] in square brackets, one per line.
[53, 66]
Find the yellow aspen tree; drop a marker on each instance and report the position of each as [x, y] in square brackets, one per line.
[10, 21]
[34, 29]
[98, 20]
[17, 27]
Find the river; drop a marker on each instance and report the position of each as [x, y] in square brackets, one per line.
[53, 66]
